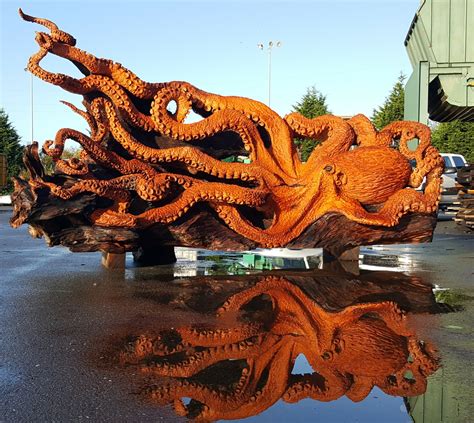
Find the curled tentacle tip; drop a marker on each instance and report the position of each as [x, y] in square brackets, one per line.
[66, 103]
[42, 39]
[26, 17]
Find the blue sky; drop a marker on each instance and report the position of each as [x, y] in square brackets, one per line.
[351, 51]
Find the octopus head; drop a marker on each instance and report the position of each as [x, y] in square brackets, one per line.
[367, 347]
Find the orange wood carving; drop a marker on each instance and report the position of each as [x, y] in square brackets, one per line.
[354, 171]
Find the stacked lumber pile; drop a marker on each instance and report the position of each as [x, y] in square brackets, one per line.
[465, 215]
[453, 209]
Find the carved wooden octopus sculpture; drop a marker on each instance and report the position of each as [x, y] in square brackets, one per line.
[271, 200]
[241, 371]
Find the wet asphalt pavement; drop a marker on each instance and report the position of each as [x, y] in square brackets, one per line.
[62, 318]
[55, 310]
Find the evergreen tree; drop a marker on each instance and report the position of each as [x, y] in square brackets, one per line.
[11, 147]
[393, 107]
[312, 104]
[455, 137]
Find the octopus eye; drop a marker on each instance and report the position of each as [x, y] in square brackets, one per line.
[392, 380]
[338, 346]
[326, 355]
[328, 168]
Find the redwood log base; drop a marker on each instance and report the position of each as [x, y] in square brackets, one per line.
[350, 255]
[147, 179]
[347, 261]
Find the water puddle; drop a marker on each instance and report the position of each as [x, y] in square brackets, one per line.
[314, 342]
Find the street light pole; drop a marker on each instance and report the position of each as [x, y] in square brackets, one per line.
[31, 104]
[271, 44]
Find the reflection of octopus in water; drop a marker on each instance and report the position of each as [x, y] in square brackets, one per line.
[239, 372]
[284, 195]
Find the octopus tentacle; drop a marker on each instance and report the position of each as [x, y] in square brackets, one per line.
[112, 189]
[85, 115]
[57, 43]
[285, 296]
[431, 161]
[191, 156]
[400, 384]
[222, 404]
[263, 286]
[360, 388]
[56, 33]
[200, 360]
[168, 213]
[88, 85]
[340, 135]
[100, 155]
[150, 186]
[327, 387]
[407, 131]
[96, 110]
[366, 134]
[183, 388]
[63, 45]
[218, 121]
[232, 217]
[111, 78]
[283, 159]
[73, 166]
[399, 204]
[108, 189]
[154, 190]
[245, 399]
[211, 337]
[144, 346]
[279, 233]
[425, 355]
[115, 71]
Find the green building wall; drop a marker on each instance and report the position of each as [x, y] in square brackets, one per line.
[440, 45]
